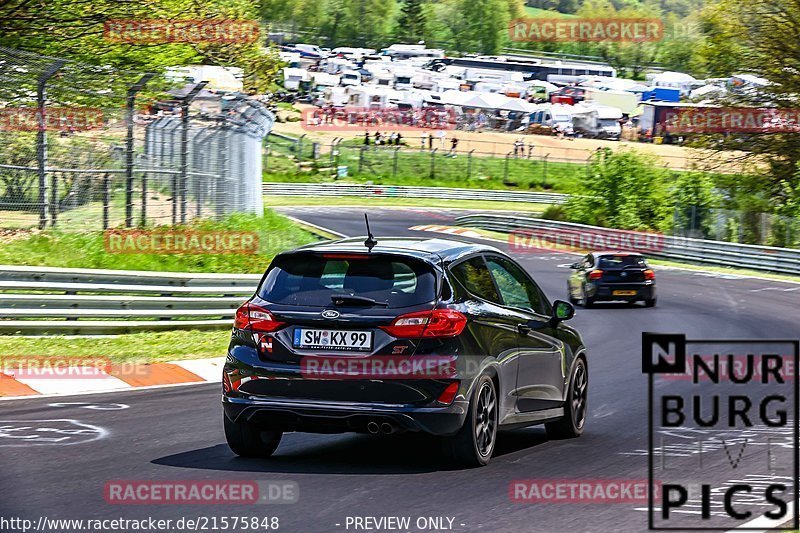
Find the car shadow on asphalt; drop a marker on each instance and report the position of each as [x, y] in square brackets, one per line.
[349, 454]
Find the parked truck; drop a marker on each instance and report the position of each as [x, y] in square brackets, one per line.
[623, 100]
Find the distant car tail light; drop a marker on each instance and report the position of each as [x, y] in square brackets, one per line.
[448, 394]
[649, 274]
[256, 318]
[435, 323]
[595, 275]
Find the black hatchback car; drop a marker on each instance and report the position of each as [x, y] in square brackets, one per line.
[439, 336]
[612, 276]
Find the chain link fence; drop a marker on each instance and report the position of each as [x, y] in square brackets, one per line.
[87, 147]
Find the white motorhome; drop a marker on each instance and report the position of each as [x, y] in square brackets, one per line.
[368, 96]
[293, 77]
[556, 116]
[336, 96]
[598, 121]
[403, 78]
[353, 53]
[351, 77]
[410, 51]
[310, 50]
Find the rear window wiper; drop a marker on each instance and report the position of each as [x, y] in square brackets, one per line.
[349, 299]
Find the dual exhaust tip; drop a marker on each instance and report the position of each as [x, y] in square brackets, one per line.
[384, 427]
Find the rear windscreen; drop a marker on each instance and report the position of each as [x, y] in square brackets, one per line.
[621, 261]
[312, 280]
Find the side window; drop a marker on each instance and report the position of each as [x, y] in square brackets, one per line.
[588, 262]
[476, 278]
[516, 289]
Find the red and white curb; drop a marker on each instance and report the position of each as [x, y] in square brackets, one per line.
[450, 230]
[116, 377]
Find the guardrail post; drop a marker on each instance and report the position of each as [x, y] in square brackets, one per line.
[106, 199]
[394, 165]
[433, 163]
[469, 163]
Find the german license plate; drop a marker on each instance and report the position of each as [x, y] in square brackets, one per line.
[624, 293]
[331, 339]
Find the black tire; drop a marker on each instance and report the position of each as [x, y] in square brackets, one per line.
[474, 444]
[585, 300]
[246, 440]
[572, 423]
[650, 302]
[571, 298]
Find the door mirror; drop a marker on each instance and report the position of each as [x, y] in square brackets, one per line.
[562, 311]
[575, 266]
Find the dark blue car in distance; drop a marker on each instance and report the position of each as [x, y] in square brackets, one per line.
[466, 341]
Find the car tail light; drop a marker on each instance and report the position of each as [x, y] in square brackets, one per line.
[448, 394]
[595, 275]
[256, 318]
[435, 323]
[649, 274]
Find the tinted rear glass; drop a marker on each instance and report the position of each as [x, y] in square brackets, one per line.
[311, 280]
[621, 261]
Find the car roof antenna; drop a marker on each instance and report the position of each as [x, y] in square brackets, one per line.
[370, 242]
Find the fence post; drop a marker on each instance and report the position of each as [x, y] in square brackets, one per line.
[185, 102]
[130, 109]
[106, 199]
[361, 157]
[53, 199]
[433, 163]
[469, 163]
[544, 169]
[333, 156]
[299, 146]
[394, 165]
[41, 137]
[505, 167]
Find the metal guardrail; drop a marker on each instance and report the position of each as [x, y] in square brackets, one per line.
[719, 253]
[403, 191]
[39, 300]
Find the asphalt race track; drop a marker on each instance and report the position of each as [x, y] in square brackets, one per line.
[176, 433]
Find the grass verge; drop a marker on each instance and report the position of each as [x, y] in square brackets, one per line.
[88, 249]
[146, 347]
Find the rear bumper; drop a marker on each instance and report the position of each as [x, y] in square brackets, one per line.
[277, 396]
[331, 417]
[605, 291]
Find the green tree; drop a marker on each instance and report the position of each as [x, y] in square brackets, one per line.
[693, 200]
[411, 24]
[625, 190]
